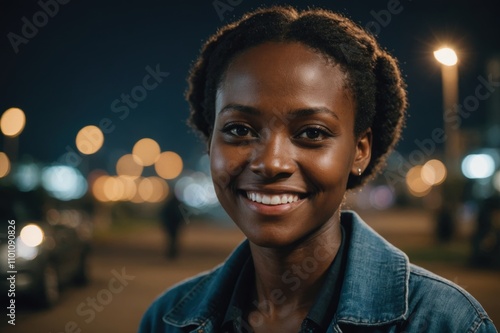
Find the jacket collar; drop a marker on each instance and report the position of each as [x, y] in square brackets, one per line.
[374, 291]
[376, 281]
[204, 304]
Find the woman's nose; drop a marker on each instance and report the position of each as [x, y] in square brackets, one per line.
[273, 157]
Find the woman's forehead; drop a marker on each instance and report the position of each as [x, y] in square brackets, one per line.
[288, 75]
[285, 56]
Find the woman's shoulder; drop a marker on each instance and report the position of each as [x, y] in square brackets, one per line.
[434, 300]
[424, 282]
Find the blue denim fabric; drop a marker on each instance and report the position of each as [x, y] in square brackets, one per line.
[382, 292]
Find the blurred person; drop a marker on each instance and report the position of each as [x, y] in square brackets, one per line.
[171, 219]
[486, 238]
[298, 107]
[445, 222]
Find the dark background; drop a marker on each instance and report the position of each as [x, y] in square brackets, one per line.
[90, 52]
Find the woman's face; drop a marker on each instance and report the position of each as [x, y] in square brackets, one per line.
[283, 144]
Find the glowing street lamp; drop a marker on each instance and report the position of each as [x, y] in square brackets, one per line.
[448, 59]
[446, 56]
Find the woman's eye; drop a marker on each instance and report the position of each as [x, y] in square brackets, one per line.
[238, 130]
[313, 134]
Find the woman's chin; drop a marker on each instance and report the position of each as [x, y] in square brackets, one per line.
[273, 239]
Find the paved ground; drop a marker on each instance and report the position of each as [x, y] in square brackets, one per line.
[138, 256]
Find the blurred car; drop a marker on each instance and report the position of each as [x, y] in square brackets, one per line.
[51, 246]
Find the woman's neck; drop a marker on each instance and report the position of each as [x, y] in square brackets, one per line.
[288, 280]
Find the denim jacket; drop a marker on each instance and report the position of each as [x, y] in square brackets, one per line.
[381, 292]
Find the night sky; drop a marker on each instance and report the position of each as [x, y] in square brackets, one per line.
[70, 72]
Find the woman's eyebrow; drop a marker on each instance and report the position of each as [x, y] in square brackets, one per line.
[311, 111]
[241, 108]
[305, 112]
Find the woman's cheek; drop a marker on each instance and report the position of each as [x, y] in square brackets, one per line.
[329, 168]
[225, 163]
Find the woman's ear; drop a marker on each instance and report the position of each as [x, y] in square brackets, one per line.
[363, 153]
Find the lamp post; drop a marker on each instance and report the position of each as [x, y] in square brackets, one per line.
[450, 193]
[449, 72]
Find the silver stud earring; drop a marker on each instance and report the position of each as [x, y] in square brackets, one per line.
[359, 171]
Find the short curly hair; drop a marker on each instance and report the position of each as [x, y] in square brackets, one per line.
[373, 76]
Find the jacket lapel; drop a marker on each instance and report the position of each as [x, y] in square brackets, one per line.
[205, 303]
[376, 281]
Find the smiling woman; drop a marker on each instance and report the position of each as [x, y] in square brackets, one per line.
[307, 154]
[297, 108]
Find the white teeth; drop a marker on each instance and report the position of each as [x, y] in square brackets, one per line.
[266, 199]
[273, 200]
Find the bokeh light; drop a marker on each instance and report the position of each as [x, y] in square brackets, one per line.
[129, 187]
[496, 181]
[12, 122]
[433, 172]
[123, 188]
[4, 165]
[160, 189]
[196, 190]
[27, 177]
[89, 139]
[127, 166]
[64, 182]
[98, 188]
[32, 235]
[137, 199]
[145, 189]
[152, 189]
[146, 152]
[114, 189]
[382, 197]
[415, 184]
[478, 166]
[169, 165]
